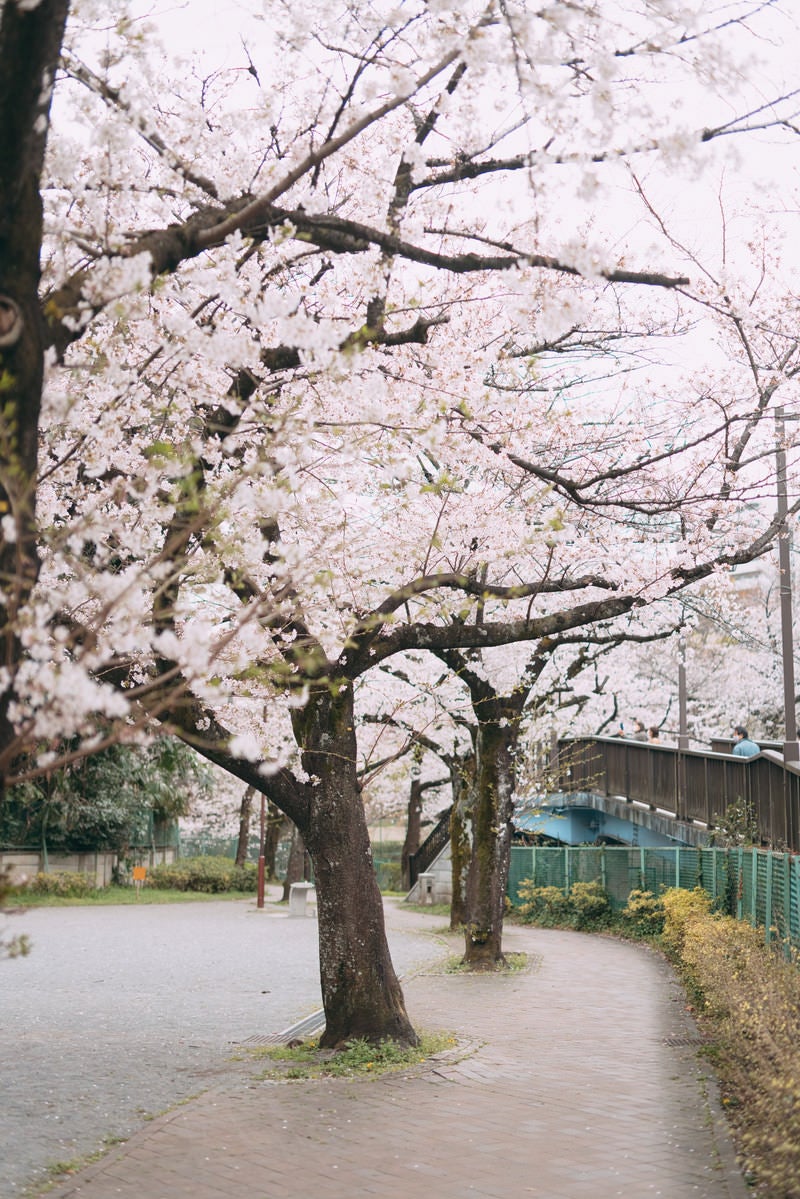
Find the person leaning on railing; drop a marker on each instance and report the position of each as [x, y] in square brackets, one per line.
[744, 747]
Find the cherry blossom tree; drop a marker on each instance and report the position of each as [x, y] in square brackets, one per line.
[372, 338]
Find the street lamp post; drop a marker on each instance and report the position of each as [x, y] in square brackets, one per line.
[791, 748]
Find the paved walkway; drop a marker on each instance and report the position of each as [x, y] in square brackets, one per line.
[578, 1078]
[123, 1011]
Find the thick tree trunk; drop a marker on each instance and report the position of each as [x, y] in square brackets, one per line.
[360, 990]
[245, 811]
[493, 808]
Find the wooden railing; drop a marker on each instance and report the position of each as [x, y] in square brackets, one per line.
[689, 784]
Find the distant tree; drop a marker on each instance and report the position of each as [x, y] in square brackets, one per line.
[274, 824]
[111, 800]
[416, 790]
[245, 814]
[296, 864]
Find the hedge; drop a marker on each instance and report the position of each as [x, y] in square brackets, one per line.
[209, 874]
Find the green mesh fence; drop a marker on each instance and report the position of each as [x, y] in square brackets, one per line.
[758, 885]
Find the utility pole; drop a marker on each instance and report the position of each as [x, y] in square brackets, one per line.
[791, 748]
[683, 723]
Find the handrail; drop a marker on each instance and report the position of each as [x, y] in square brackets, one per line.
[693, 785]
[430, 848]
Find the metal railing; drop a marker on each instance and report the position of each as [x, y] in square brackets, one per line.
[692, 785]
[430, 848]
[757, 885]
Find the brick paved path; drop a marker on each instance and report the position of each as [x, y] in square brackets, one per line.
[576, 1079]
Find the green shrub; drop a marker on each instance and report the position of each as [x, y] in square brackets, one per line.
[245, 878]
[62, 882]
[643, 915]
[209, 874]
[586, 905]
[541, 905]
[590, 905]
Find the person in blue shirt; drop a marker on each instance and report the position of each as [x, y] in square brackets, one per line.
[744, 747]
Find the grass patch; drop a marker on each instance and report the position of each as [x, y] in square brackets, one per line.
[106, 896]
[58, 1171]
[514, 963]
[359, 1059]
[430, 909]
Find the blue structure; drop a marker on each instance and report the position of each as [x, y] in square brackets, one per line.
[585, 818]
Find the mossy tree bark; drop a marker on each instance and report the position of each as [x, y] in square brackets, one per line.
[361, 994]
[481, 828]
[462, 776]
[491, 815]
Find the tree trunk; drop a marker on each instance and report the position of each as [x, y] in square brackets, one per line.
[30, 43]
[360, 990]
[462, 773]
[245, 811]
[295, 867]
[414, 818]
[275, 823]
[487, 877]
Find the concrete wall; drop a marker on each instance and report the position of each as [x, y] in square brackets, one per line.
[442, 882]
[100, 864]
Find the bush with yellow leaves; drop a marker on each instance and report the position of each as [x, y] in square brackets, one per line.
[584, 906]
[748, 999]
[681, 909]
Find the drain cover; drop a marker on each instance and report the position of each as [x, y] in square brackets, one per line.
[304, 1028]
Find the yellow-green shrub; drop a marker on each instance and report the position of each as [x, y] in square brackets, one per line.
[209, 874]
[586, 905]
[69, 883]
[643, 915]
[681, 908]
[589, 904]
[750, 995]
[541, 905]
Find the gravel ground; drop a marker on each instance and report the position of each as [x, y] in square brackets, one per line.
[120, 1012]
